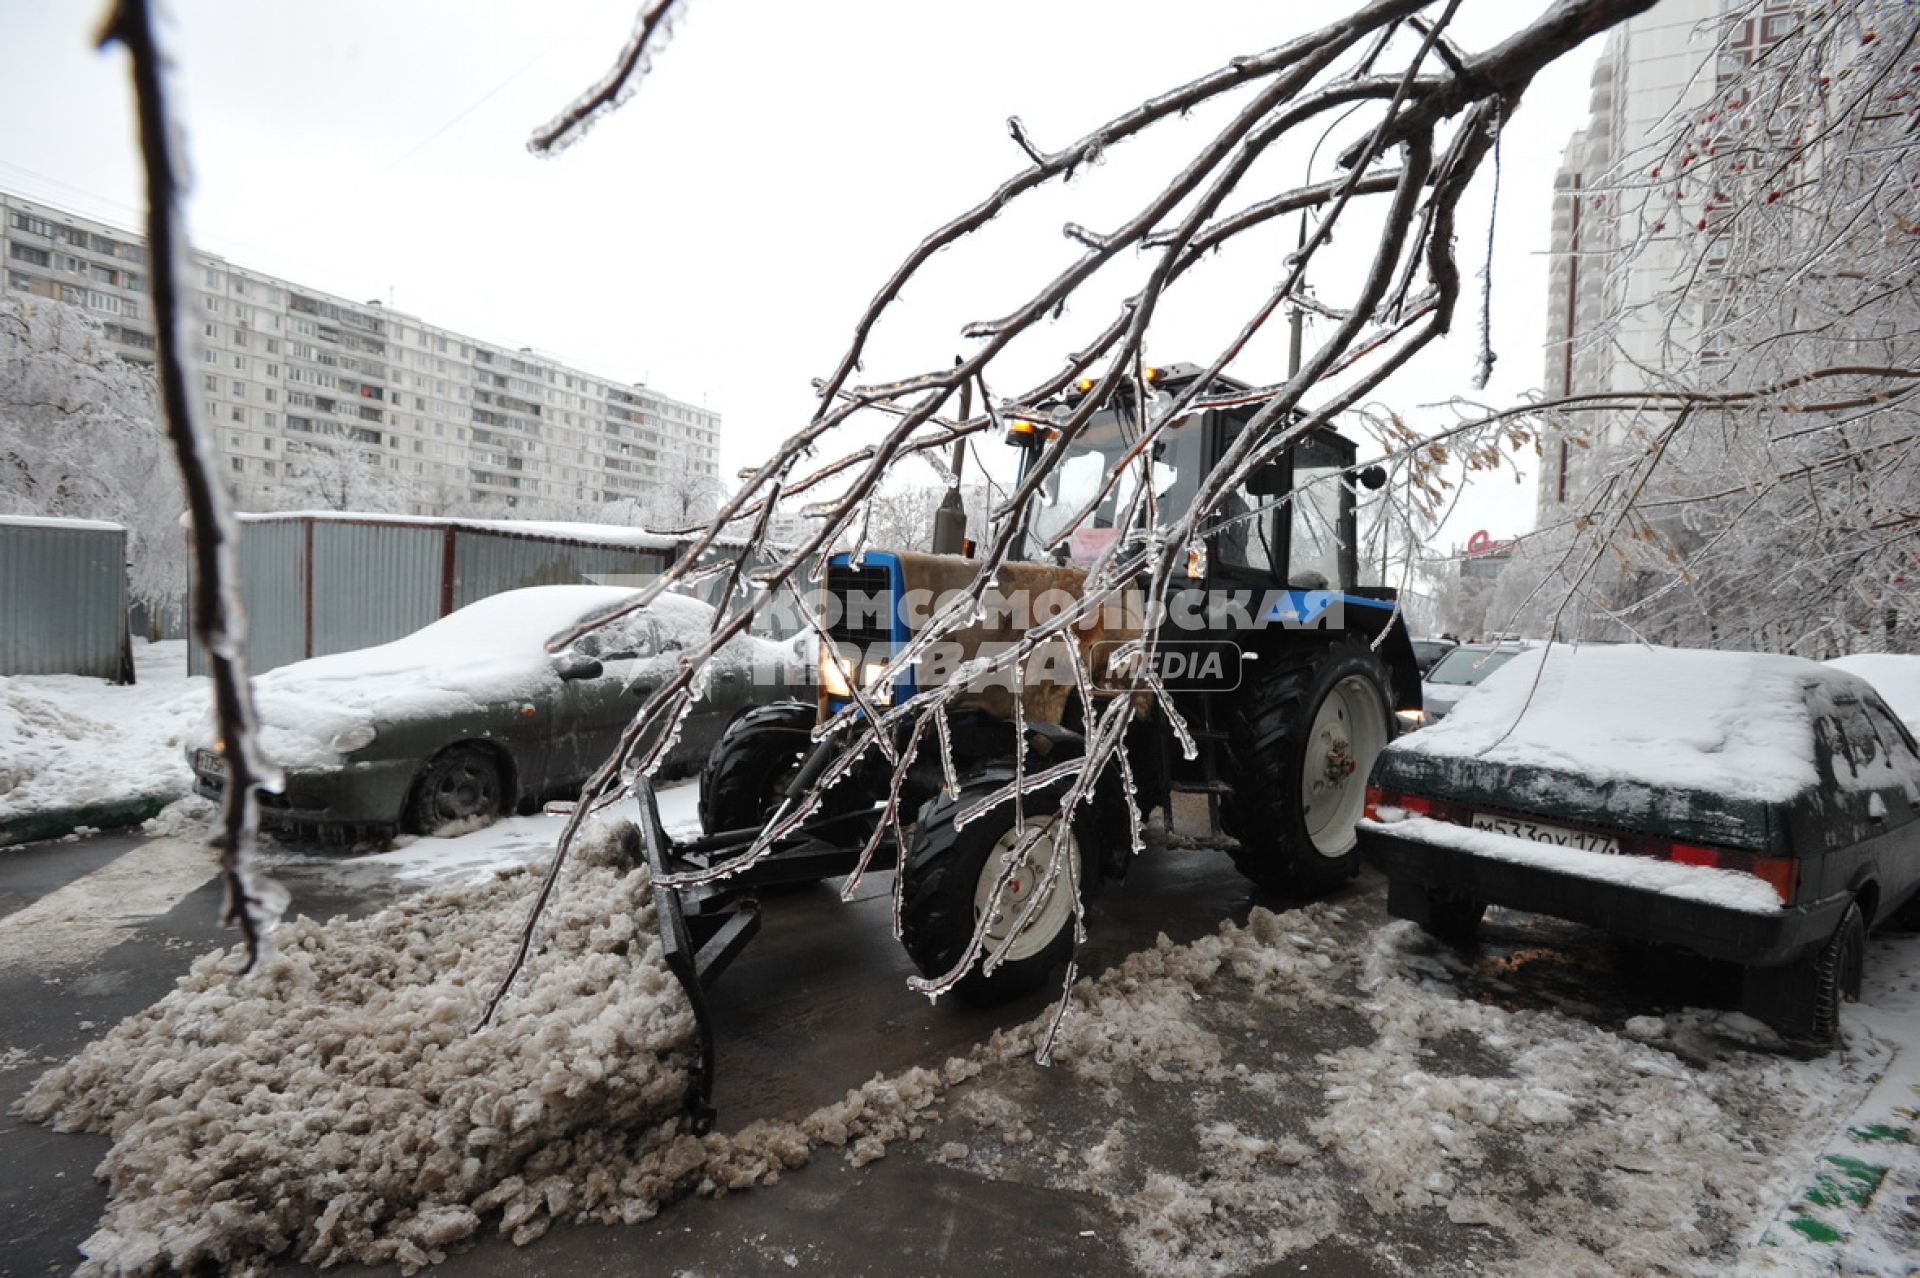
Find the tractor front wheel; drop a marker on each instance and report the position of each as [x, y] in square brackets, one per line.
[751, 764]
[1305, 737]
[953, 872]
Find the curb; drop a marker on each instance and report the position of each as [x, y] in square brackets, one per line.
[1857, 1193]
[54, 823]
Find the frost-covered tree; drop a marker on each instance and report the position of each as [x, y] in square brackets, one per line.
[1414, 118]
[1753, 483]
[80, 438]
[337, 473]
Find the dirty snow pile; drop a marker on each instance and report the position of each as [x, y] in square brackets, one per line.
[1310, 1078]
[335, 1105]
[67, 741]
[335, 1102]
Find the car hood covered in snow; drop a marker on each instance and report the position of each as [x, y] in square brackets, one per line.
[1692, 744]
[491, 651]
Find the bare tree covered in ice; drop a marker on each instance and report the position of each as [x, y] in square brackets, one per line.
[1421, 118]
[1748, 480]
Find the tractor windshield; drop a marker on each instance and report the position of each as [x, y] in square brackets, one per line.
[1097, 453]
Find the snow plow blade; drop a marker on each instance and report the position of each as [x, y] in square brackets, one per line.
[697, 950]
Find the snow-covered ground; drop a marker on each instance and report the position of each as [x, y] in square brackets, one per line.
[1336, 1080]
[1302, 1081]
[480, 855]
[67, 741]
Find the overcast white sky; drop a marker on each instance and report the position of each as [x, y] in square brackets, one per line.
[718, 237]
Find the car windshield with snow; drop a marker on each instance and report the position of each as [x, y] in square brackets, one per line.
[472, 716]
[1754, 809]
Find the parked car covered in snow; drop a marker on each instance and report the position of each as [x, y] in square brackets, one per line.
[1460, 671]
[472, 716]
[1760, 810]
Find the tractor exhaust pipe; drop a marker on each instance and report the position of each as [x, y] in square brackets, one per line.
[950, 520]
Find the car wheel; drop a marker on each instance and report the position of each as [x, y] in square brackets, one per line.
[949, 874]
[1837, 974]
[1801, 1000]
[462, 783]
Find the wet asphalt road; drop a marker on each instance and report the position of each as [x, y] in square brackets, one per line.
[815, 1006]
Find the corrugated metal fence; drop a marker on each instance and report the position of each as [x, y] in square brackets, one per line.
[314, 585]
[63, 599]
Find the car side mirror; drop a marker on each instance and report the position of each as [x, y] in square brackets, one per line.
[575, 666]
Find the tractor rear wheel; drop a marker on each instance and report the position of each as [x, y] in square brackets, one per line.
[950, 872]
[1306, 734]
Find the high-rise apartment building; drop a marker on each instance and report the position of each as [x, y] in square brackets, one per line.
[1617, 319]
[291, 376]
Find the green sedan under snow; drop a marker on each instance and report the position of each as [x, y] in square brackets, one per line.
[473, 717]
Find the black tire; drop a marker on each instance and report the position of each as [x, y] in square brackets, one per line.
[1291, 835]
[751, 763]
[1802, 999]
[1837, 973]
[460, 783]
[749, 767]
[943, 869]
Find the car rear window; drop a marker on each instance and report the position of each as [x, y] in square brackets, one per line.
[1468, 666]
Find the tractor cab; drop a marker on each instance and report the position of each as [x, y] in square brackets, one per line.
[1291, 523]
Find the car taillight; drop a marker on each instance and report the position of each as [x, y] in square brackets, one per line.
[1781, 873]
[1417, 804]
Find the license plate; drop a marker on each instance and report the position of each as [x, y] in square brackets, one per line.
[1557, 835]
[208, 762]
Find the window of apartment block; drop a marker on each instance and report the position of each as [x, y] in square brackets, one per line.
[269, 420]
[239, 414]
[239, 388]
[239, 463]
[213, 304]
[31, 255]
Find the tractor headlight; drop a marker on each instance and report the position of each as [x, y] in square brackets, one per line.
[837, 674]
[834, 670]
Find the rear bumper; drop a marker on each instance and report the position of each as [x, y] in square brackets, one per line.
[1416, 870]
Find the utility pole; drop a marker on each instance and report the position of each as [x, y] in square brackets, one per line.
[1299, 319]
[950, 520]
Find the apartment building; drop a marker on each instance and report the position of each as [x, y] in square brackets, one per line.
[1616, 319]
[293, 378]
